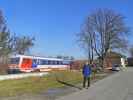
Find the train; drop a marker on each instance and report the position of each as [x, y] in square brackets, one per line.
[23, 63]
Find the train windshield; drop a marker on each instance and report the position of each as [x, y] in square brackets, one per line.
[66, 62]
[14, 60]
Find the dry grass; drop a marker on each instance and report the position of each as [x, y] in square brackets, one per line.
[37, 84]
[34, 85]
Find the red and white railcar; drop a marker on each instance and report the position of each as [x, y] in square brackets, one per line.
[24, 63]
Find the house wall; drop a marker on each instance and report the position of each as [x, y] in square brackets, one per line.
[110, 61]
[130, 61]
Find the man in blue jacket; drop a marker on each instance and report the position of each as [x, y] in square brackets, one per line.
[86, 74]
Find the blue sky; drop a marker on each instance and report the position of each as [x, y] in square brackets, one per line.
[54, 23]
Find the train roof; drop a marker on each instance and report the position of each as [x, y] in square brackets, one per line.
[36, 57]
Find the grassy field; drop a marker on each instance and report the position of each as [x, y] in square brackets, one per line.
[38, 84]
[34, 85]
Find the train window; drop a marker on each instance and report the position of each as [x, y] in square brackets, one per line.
[43, 62]
[34, 61]
[58, 62]
[55, 62]
[49, 62]
[66, 62]
[25, 60]
[52, 62]
[61, 63]
[14, 60]
[39, 61]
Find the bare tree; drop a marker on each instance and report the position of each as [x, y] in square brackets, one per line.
[131, 51]
[86, 40]
[12, 44]
[104, 30]
[23, 44]
[5, 40]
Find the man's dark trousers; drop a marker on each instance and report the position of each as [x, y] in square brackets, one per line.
[86, 80]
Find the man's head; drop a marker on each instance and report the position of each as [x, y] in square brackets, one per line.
[86, 63]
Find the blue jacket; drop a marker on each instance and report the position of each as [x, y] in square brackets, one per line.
[86, 71]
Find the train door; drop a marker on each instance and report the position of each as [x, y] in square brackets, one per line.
[34, 63]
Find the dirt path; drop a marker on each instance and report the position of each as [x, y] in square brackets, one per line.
[118, 86]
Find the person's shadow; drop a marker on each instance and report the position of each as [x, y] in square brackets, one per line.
[68, 84]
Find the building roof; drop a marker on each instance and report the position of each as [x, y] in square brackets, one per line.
[114, 55]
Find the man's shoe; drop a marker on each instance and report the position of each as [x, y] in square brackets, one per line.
[88, 87]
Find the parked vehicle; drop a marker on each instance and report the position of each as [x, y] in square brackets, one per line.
[116, 67]
[22, 63]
